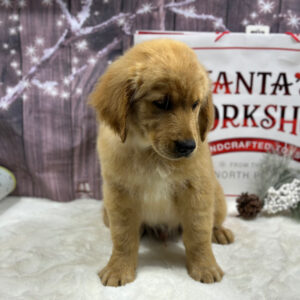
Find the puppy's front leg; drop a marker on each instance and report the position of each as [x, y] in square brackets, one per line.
[124, 223]
[196, 213]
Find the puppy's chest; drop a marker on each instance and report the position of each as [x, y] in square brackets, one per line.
[156, 194]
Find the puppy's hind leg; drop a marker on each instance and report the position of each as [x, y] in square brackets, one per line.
[220, 234]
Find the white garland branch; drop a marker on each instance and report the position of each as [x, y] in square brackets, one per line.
[146, 8]
[190, 13]
[91, 29]
[73, 23]
[17, 90]
[49, 54]
[103, 52]
[75, 32]
[84, 14]
[179, 4]
[47, 86]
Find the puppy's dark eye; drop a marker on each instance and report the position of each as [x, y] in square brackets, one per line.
[164, 104]
[195, 104]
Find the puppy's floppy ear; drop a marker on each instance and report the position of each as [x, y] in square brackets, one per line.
[111, 98]
[206, 116]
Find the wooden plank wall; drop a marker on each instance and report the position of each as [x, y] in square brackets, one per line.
[46, 120]
[12, 154]
[48, 141]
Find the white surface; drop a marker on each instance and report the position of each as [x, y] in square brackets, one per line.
[54, 250]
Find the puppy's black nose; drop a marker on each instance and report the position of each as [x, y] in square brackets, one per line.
[185, 147]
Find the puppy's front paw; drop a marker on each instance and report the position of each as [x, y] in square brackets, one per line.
[117, 274]
[222, 235]
[206, 274]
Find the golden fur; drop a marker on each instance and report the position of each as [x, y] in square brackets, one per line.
[154, 95]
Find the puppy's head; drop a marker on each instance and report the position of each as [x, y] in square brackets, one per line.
[159, 94]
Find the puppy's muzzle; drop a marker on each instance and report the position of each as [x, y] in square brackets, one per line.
[184, 147]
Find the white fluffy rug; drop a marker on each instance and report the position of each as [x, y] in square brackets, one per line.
[53, 251]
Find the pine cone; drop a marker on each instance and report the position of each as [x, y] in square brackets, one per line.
[248, 206]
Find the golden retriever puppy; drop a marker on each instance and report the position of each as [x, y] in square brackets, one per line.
[155, 108]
